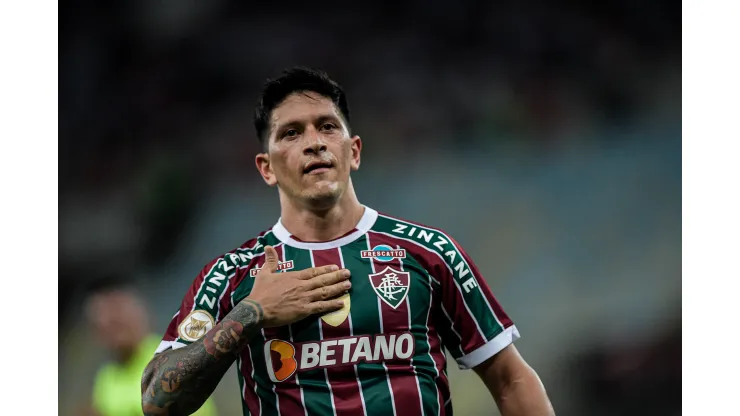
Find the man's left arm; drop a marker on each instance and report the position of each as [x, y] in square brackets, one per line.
[480, 335]
[514, 385]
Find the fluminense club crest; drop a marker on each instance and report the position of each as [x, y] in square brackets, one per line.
[392, 286]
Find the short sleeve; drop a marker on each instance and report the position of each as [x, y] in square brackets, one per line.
[205, 304]
[473, 325]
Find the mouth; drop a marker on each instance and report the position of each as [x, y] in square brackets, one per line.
[317, 167]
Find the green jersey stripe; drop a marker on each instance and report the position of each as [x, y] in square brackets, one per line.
[352, 333]
[316, 397]
[413, 294]
[429, 404]
[263, 384]
[255, 401]
[374, 378]
[289, 392]
[242, 387]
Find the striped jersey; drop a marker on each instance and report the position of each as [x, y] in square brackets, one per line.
[415, 294]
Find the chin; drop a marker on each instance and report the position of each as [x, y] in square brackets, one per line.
[323, 198]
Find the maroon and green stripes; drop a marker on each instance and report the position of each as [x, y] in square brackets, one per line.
[210, 290]
[256, 387]
[474, 315]
[365, 319]
[314, 393]
[446, 304]
[344, 386]
[413, 383]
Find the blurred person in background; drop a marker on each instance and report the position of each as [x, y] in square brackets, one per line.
[280, 304]
[120, 321]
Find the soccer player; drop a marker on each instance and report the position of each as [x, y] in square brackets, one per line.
[337, 309]
[119, 319]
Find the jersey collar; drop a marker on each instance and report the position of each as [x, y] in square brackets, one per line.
[366, 222]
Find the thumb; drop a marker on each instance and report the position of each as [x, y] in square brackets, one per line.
[271, 259]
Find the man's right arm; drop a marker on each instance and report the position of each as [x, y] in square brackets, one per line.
[179, 381]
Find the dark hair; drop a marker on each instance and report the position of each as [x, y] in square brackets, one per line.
[107, 283]
[296, 79]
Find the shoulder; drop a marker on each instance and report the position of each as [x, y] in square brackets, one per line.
[421, 234]
[431, 246]
[242, 256]
[422, 241]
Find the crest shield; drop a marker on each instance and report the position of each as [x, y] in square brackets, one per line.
[391, 286]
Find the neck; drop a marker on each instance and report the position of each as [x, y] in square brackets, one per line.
[317, 225]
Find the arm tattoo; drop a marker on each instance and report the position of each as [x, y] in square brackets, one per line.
[179, 381]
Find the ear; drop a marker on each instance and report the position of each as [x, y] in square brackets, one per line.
[356, 150]
[262, 160]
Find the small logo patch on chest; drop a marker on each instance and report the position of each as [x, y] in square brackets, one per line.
[383, 253]
[283, 266]
[391, 286]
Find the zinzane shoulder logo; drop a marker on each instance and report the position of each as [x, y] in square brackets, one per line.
[391, 286]
[195, 325]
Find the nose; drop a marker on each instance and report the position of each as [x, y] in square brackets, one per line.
[314, 144]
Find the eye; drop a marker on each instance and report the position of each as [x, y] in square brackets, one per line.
[328, 126]
[290, 133]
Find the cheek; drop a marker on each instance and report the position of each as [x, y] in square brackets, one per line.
[283, 171]
[280, 163]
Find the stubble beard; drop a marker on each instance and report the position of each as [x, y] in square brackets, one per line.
[323, 198]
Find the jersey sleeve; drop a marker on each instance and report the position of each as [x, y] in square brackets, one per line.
[204, 305]
[473, 325]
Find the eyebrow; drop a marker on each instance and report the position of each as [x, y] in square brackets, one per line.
[320, 119]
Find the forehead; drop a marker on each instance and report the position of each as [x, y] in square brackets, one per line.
[113, 301]
[303, 106]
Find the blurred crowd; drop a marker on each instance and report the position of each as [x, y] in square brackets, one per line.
[556, 126]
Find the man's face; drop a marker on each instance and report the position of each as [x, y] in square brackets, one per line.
[118, 319]
[310, 152]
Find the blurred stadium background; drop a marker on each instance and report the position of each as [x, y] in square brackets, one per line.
[545, 137]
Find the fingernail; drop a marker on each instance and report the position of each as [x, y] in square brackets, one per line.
[334, 268]
[346, 273]
[347, 284]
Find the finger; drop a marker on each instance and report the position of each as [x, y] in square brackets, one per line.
[271, 260]
[325, 306]
[329, 292]
[328, 279]
[316, 271]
